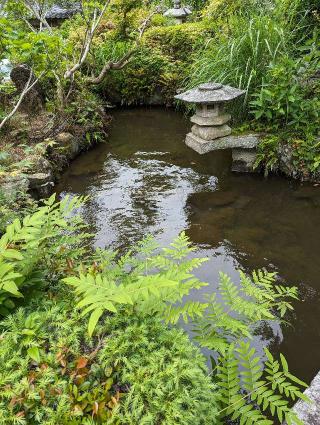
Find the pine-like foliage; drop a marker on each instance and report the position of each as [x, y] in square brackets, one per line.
[134, 371]
[149, 280]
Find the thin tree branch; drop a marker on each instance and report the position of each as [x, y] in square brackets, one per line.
[87, 41]
[2, 5]
[24, 92]
[121, 63]
[39, 14]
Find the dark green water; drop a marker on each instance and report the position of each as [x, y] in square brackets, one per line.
[145, 180]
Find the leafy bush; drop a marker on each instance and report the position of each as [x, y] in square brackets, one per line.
[37, 247]
[289, 96]
[155, 282]
[148, 281]
[17, 204]
[135, 371]
[160, 65]
[249, 386]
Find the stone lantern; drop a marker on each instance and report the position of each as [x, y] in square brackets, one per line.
[210, 119]
[177, 12]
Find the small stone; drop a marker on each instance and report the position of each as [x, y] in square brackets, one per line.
[69, 144]
[209, 200]
[243, 160]
[12, 185]
[64, 137]
[309, 412]
[38, 179]
[211, 133]
[218, 120]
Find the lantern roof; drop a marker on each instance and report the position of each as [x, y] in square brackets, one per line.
[177, 11]
[209, 93]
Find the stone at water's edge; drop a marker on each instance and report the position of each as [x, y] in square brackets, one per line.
[309, 413]
[243, 160]
[249, 141]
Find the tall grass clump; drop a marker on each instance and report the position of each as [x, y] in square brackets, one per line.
[241, 56]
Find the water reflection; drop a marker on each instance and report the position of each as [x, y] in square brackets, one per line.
[145, 180]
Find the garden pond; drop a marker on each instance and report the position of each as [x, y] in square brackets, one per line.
[145, 180]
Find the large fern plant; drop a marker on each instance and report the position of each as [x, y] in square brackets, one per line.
[38, 246]
[149, 280]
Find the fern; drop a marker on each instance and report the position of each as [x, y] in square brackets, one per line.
[35, 246]
[156, 280]
[149, 280]
[252, 391]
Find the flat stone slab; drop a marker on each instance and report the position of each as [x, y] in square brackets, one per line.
[248, 141]
[309, 413]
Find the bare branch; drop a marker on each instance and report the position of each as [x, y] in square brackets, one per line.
[121, 63]
[39, 13]
[24, 92]
[2, 5]
[90, 32]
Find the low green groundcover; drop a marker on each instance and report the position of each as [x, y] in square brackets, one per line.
[134, 371]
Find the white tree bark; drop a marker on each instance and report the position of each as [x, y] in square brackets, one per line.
[87, 41]
[24, 92]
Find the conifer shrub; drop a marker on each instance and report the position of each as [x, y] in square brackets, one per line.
[134, 371]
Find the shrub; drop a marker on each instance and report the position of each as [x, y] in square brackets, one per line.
[37, 247]
[136, 371]
[289, 96]
[160, 65]
[149, 281]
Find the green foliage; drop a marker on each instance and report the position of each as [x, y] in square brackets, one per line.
[289, 96]
[241, 55]
[135, 372]
[37, 247]
[159, 67]
[156, 281]
[234, 310]
[250, 389]
[129, 367]
[51, 373]
[147, 282]
[86, 112]
[14, 205]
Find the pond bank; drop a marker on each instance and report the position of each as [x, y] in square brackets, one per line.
[41, 162]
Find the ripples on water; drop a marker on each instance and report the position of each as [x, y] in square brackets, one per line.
[145, 180]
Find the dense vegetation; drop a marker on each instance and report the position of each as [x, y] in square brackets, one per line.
[124, 365]
[91, 337]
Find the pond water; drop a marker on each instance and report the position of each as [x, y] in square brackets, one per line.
[145, 180]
